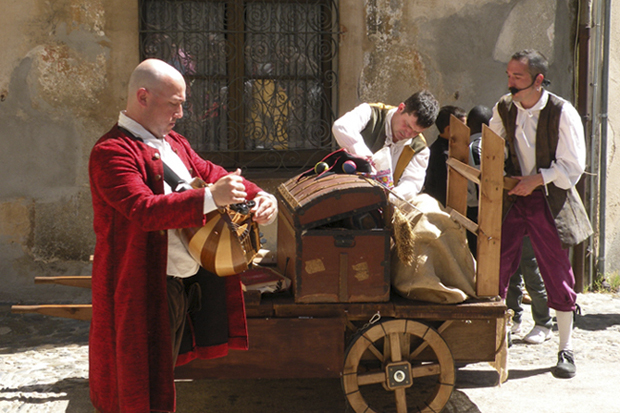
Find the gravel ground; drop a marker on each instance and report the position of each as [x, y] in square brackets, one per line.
[44, 368]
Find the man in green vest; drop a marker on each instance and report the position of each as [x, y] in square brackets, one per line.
[546, 152]
[372, 126]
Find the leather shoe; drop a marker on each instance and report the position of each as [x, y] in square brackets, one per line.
[565, 369]
[538, 335]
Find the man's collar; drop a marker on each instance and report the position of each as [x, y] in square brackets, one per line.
[135, 128]
[540, 105]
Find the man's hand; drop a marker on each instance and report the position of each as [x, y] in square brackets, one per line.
[229, 189]
[265, 208]
[526, 184]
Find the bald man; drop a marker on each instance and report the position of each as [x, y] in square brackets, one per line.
[141, 270]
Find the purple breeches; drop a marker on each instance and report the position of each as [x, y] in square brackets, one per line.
[531, 216]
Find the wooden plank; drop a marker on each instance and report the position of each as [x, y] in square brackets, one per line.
[353, 311]
[490, 213]
[85, 312]
[416, 310]
[473, 174]
[469, 172]
[76, 311]
[459, 149]
[510, 183]
[82, 281]
[279, 348]
[287, 246]
[463, 220]
[472, 341]
[397, 307]
[343, 275]
[284, 306]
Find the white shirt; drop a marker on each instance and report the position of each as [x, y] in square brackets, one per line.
[347, 131]
[570, 154]
[180, 262]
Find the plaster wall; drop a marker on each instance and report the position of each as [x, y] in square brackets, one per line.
[456, 49]
[61, 86]
[612, 216]
[64, 74]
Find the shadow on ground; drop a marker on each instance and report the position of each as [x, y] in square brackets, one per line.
[596, 322]
[74, 392]
[23, 331]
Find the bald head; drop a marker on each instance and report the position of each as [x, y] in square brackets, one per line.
[156, 94]
[153, 75]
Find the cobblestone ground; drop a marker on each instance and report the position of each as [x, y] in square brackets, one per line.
[44, 368]
[531, 387]
[43, 364]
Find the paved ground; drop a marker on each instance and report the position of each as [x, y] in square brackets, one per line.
[44, 368]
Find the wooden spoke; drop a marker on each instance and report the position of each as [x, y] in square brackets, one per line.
[423, 383]
[421, 348]
[395, 346]
[371, 378]
[425, 370]
[401, 400]
[376, 352]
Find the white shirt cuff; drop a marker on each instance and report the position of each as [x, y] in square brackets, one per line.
[209, 203]
[548, 175]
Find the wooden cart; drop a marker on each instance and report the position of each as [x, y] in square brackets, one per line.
[391, 353]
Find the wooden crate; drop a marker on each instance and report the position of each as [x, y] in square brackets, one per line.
[333, 241]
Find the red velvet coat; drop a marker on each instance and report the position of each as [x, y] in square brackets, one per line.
[130, 345]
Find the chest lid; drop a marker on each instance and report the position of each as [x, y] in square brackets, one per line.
[313, 201]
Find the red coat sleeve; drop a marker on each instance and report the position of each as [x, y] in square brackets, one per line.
[206, 170]
[129, 177]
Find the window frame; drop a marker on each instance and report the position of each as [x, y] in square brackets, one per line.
[267, 160]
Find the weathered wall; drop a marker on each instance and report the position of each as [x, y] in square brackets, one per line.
[612, 217]
[66, 63]
[456, 49]
[60, 89]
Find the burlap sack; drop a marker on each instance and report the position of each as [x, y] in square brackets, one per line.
[431, 260]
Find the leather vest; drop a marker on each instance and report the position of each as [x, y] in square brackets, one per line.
[569, 214]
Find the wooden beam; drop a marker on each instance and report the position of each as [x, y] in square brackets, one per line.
[469, 172]
[470, 225]
[510, 183]
[456, 198]
[76, 311]
[473, 174]
[490, 213]
[82, 281]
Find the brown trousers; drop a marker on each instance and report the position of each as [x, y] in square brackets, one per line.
[178, 304]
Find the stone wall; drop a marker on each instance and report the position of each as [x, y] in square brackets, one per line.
[456, 49]
[62, 81]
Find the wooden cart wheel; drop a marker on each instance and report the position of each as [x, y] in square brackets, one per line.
[408, 359]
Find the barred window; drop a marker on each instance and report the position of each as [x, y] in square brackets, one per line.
[261, 76]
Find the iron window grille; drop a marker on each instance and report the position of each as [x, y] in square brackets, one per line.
[261, 76]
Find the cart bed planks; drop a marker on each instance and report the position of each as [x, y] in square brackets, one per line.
[279, 348]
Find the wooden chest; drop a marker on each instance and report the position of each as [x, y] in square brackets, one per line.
[333, 241]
